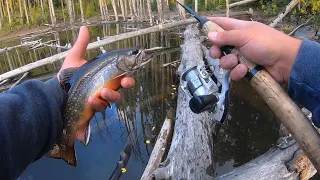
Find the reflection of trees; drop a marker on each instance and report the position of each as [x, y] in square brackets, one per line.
[248, 133]
[146, 105]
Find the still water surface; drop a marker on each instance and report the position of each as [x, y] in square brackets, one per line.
[251, 128]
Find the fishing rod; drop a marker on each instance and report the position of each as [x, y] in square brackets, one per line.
[275, 96]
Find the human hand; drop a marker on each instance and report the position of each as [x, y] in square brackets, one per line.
[258, 43]
[75, 59]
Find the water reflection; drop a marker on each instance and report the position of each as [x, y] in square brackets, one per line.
[250, 131]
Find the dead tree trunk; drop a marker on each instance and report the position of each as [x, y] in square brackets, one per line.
[114, 5]
[52, 14]
[191, 152]
[70, 10]
[159, 6]
[150, 11]
[182, 12]
[26, 11]
[42, 10]
[123, 10]
[20, 9]
[81, 11]
[8, 11]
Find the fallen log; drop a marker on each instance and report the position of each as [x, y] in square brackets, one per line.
[98, 44]
[160, 146]
[191, 152]
[284, 161]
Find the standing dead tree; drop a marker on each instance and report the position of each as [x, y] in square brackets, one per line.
[191, 152]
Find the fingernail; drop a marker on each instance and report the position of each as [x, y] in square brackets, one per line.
[212, 35]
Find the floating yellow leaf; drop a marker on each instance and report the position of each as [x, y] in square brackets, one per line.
[147, 141]
[153, 128]
[123, 170]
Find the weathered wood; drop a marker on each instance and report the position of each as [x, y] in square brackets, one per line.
[286, 161]
[289, 7]
[240, 3]
[160, 146]
[191, 152]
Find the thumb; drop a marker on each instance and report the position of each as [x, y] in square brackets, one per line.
[232, 38]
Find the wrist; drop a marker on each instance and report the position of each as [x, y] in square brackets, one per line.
[288, 56]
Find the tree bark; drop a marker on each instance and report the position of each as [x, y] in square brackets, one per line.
[42, 10]
[70, 10]
[114, 5]
[134, 8]
[150, 11]
[227, 8]
[122, 10]
[81, 10]
[20, 9]
[191, 152]
[126, 8]
[1, 14]
[8, 12]
[26, 12]
[182, 12]
[196, 5]
[159, 6]
[52, 14]
[205, 4]
[62, 8]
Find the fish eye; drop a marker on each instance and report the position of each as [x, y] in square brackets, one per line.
[135, 52]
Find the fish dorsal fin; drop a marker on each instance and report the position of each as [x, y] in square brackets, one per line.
[66, 76]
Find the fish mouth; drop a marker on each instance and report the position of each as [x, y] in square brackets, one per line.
[142, 58]
[134, 61]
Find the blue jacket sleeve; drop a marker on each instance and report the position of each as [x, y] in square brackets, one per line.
[30, 123]
[304, 83]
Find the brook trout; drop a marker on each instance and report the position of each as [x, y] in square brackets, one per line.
[104, 71]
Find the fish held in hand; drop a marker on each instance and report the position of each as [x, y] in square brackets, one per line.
[104, 71]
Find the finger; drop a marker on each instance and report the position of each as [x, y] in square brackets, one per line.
[110, 95]
[238, 72]
[233, 37]
[215, 52]
[127, 82]
[98, 104]
[229, 61]
[229, 23]
[79, 48]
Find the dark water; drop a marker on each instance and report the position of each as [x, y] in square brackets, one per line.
[250, 130]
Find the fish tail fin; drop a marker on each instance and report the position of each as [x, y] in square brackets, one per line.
[68, 155]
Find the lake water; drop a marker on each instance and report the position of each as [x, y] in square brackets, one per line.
[251, 128]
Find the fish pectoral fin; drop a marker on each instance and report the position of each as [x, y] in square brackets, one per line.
[54, 152]
[69, 156]
[66, 76]
[83, 134]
